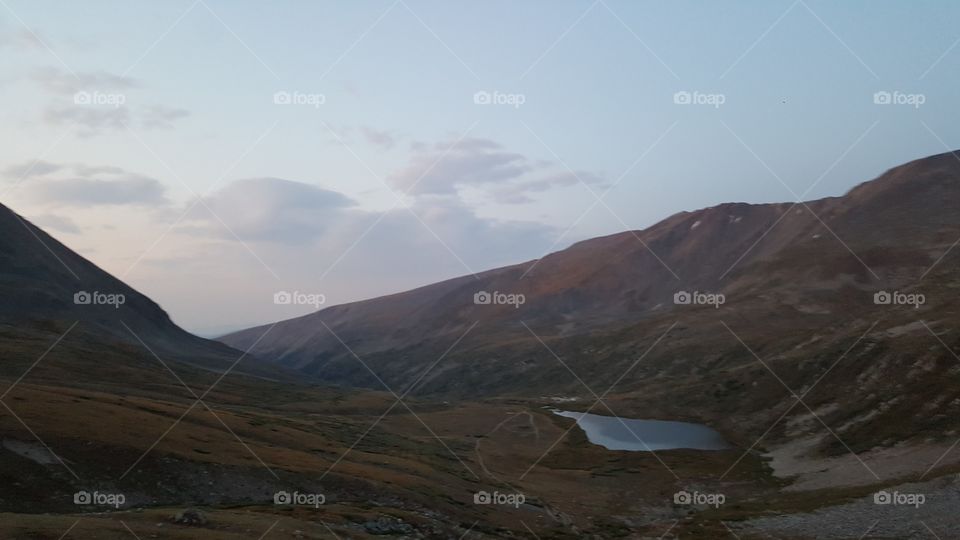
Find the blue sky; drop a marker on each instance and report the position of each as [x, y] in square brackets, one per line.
[399, 178]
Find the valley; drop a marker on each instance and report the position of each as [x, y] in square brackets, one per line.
[426, 414]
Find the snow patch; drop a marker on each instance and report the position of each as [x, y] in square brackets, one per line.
[695, 225]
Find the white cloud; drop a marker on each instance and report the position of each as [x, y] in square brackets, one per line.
[306, 218]
[272, 210]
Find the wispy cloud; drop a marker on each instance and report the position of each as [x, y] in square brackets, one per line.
[59, 81]
[98, 102]
[20, 39]
[127, 190]
[85, 185]
[31, 169]
[89, 121]
[383, 139]
[441, 168]
[508, 177]
[520, 192]
[162, 117]
[56, 223]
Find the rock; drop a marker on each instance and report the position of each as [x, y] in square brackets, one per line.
[190, 516]
[387, 526]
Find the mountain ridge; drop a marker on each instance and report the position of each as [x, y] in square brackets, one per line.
[50, 291]
[624, 278]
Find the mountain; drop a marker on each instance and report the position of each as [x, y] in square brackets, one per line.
[101, 393]
[779, 266]
[48, 289]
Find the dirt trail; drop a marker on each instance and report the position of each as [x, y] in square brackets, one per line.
[477, 446]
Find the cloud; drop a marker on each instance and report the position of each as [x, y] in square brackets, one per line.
[130, 189]
[316, 241]
[162, 117]
[287, 215]
[481, 243]
[20, 39]
[441, 168]
[98, 101]
[85, 185]
[88, 119]
[519, 192]
[312, 238]
[56, 223]
[31, 169]
[508, 177]
[272, 210]
[93, 120]
[383, 139]
[91, 170]
[62, 82]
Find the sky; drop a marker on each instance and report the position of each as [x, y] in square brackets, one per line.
[215, 153]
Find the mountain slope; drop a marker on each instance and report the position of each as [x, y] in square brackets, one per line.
[48, 288]
[823, 256]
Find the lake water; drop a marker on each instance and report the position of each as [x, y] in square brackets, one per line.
[615, 433]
